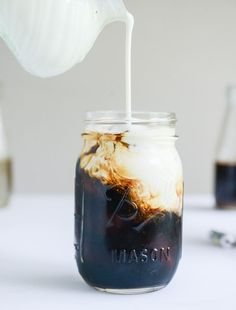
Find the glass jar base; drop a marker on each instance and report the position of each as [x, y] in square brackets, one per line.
[134, 291]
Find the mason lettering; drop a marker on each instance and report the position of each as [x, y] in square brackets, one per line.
[134, 256]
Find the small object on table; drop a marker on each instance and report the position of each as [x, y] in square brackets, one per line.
[222, 239]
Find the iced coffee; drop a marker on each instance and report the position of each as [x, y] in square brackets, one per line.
[129, 195]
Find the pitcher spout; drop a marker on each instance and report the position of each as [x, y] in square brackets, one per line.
[112, 10]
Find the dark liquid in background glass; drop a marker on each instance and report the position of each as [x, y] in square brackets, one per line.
[115, 249]
[225, 185]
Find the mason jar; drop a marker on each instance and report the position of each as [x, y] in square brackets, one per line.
[128, 202]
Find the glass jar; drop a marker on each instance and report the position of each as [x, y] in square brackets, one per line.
[225, 166]
[128, 202]
[5, 168]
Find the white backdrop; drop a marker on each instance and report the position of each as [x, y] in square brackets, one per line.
[184, 54]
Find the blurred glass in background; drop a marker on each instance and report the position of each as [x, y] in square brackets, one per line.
[225, 167]
[5, 166]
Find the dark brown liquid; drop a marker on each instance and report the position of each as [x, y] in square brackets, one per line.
[225, 185]
[115, 246]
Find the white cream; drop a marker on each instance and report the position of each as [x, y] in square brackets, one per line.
[129, 32]
[158, 167]
[146, 162]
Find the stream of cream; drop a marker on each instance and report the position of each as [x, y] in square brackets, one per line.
[129, 32]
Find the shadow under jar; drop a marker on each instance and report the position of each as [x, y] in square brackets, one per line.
[128, 202]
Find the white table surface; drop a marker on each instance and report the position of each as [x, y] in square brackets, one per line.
[38, 270]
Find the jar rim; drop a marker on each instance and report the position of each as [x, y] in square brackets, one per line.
[138, 117]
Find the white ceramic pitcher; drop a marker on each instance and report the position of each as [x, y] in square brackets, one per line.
[48, 37]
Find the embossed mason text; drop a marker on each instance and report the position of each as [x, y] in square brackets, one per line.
[124, 256]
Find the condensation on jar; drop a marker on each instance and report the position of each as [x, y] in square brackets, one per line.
[129, 197]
